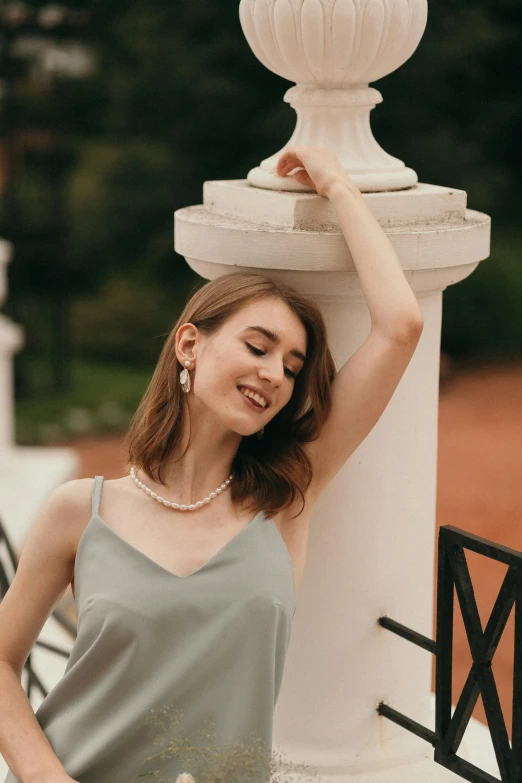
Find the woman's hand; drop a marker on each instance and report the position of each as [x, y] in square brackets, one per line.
[321, 168]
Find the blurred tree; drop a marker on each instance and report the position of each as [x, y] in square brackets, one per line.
[186, 97]
[178, 98]
[40, 50]
[182, 76]
[461, 103]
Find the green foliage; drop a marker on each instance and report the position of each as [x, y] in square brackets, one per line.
[120, 200]
[103, 398]
[458, 100]
[482, 314]
[125, 321]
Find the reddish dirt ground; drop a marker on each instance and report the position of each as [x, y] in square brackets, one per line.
[479, 490]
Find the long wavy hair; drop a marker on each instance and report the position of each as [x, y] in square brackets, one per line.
[268, 472]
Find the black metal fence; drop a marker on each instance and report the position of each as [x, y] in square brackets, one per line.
[8, 567]
[453, 572]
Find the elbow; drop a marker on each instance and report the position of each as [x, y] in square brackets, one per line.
[405, 330]
[410, 330]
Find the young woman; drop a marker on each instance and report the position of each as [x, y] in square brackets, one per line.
[185, 574]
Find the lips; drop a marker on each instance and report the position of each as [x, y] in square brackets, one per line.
[251, 403]
[259, 391]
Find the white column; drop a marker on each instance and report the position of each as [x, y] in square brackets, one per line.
[27, 473]
[372, 536]
[11, 340]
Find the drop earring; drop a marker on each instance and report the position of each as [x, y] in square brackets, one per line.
[185, 377]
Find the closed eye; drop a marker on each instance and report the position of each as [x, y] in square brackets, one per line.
[258, 352]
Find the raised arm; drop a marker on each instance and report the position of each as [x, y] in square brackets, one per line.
[367, 380]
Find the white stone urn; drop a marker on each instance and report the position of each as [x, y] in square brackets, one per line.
[332, 49]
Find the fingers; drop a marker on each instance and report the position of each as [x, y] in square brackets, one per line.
[289, 159]
[292, 167]
[282, 171]
[302, 177]
[287, 162]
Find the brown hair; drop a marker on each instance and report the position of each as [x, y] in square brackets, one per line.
[272, 470]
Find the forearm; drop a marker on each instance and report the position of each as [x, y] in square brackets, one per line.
[391, 302]
[23, 744]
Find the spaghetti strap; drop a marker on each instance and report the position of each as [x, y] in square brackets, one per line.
[96, 493]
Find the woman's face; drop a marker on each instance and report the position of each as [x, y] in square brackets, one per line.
[239, 355]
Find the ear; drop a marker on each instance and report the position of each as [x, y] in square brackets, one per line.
[186, 340]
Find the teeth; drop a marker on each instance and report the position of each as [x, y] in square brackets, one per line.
[256, 397]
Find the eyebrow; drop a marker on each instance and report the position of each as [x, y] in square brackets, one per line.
[273, 337]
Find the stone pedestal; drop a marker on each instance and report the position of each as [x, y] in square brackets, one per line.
[372, 536]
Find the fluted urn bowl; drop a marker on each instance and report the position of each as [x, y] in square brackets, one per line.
[332, 49]
[333, 43]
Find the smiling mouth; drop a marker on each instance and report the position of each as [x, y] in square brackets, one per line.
[253, 404]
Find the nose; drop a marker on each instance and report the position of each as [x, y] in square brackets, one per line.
[272, 370]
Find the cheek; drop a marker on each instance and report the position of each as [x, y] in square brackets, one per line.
[215, 387]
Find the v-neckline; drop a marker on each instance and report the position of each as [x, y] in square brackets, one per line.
[154, 563]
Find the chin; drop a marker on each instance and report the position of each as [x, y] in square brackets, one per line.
[244, 431]
[243, 428]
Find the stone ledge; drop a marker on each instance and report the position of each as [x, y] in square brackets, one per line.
[238, 199]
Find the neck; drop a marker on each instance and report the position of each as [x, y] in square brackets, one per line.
[205, 465]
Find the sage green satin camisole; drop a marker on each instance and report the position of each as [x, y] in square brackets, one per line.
[172, 674]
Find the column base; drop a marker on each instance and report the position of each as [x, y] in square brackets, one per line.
[476, 748]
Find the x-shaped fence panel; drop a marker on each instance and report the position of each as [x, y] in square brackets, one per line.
[453, 576]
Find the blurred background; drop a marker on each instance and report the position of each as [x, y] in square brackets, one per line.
[114, 113]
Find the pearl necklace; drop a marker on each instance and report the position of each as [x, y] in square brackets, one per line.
[176, 506]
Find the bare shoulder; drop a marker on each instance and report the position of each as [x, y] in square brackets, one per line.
[70, 504]
[74, 495]
[70, 490]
